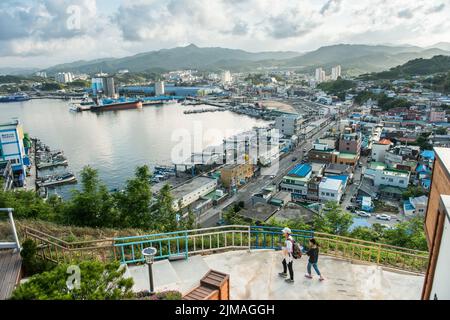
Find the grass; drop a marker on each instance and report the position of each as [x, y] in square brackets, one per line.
[382, 207]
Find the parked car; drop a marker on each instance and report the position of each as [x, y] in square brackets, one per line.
[294, 159]
[363, 214]
[383, 217]
[272, 176]
[386, 226]
[351, 208]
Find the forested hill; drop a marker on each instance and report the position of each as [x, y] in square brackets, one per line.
[416, 67]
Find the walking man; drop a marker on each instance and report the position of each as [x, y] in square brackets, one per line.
[313, 254]
[287, 251]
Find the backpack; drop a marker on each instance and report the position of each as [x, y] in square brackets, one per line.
[296, 250]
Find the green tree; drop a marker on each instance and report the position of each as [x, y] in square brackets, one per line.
[98, 281]
[26, 204]
[408, 234]
[31, 262]
[333, 219]
[93, 206]
[365, 233]
[134, 203]
[414, 191]
[164, 216]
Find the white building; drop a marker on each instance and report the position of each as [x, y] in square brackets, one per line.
[320, 75]
[190, 192]
[388, 177]
[64, 77]
[379, 150]
[289, 124]
[335, 72]
[331, 190]
[159, 88]
[226, 77]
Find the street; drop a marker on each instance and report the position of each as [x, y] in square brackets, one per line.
[212, 216]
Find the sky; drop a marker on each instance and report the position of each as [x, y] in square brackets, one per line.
[42, 33]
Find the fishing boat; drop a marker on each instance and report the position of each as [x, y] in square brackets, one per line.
[52, 164]
[57, 180]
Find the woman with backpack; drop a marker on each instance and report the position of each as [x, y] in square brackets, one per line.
[313, 254]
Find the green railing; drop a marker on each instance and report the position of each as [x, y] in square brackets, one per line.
[182, 244]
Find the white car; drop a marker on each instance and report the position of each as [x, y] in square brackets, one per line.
[363, 214]
[386, 226]
[383, 217]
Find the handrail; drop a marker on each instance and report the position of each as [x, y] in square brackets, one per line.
[231, 237]
[320, 234]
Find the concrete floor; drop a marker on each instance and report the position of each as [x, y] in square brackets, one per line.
[254, 276]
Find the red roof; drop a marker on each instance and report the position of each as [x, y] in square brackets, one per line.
[384, 141]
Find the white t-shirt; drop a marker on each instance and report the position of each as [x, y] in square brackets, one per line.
[289, 249]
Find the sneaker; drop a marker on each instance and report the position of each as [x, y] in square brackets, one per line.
[282, 274]
[289, 280]
[321, 278]
[308, 276]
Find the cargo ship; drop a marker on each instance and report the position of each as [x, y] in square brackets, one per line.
[16, 97]
[116, 104]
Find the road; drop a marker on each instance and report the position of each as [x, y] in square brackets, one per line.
[212, 216]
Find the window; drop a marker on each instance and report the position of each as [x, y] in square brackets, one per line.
[332, 194]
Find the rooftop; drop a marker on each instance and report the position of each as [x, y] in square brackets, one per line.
[332, 184]
[191, 186]
[444, 155]
[300, 170]
[254, 276]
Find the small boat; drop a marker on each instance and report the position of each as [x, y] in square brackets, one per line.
[52, 164]
[43, 193]
[57, 180]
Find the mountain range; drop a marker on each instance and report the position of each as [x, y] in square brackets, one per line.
[354, 59]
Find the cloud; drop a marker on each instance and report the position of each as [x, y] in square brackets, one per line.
[406, 14]
[331, 6]
[39, 29]
[436, 9]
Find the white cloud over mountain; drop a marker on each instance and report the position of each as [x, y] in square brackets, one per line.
[44, 32]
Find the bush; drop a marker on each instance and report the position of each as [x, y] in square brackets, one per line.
[97, 281]
[165, 295]
[31, 262]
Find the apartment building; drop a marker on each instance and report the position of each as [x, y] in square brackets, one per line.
[437, 229]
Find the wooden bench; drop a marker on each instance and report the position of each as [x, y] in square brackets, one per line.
[214, 285]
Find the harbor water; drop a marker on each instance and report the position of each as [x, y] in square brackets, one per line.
[116, 142]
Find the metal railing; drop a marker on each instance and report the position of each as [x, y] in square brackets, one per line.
[182, 244]
[58, 250]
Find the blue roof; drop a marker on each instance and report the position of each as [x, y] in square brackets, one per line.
[426, 183]
[343, 178]
[423, 168]
[407, 205]
[300, 170]
[428, 154]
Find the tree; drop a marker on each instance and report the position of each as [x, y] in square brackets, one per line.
[93, 206]
[333, 219]
[134, 203]
[365, 233]
[408, 234]
[413, 191]
[31, 262]
[26, 204]
[98, 281]
[164, 216]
